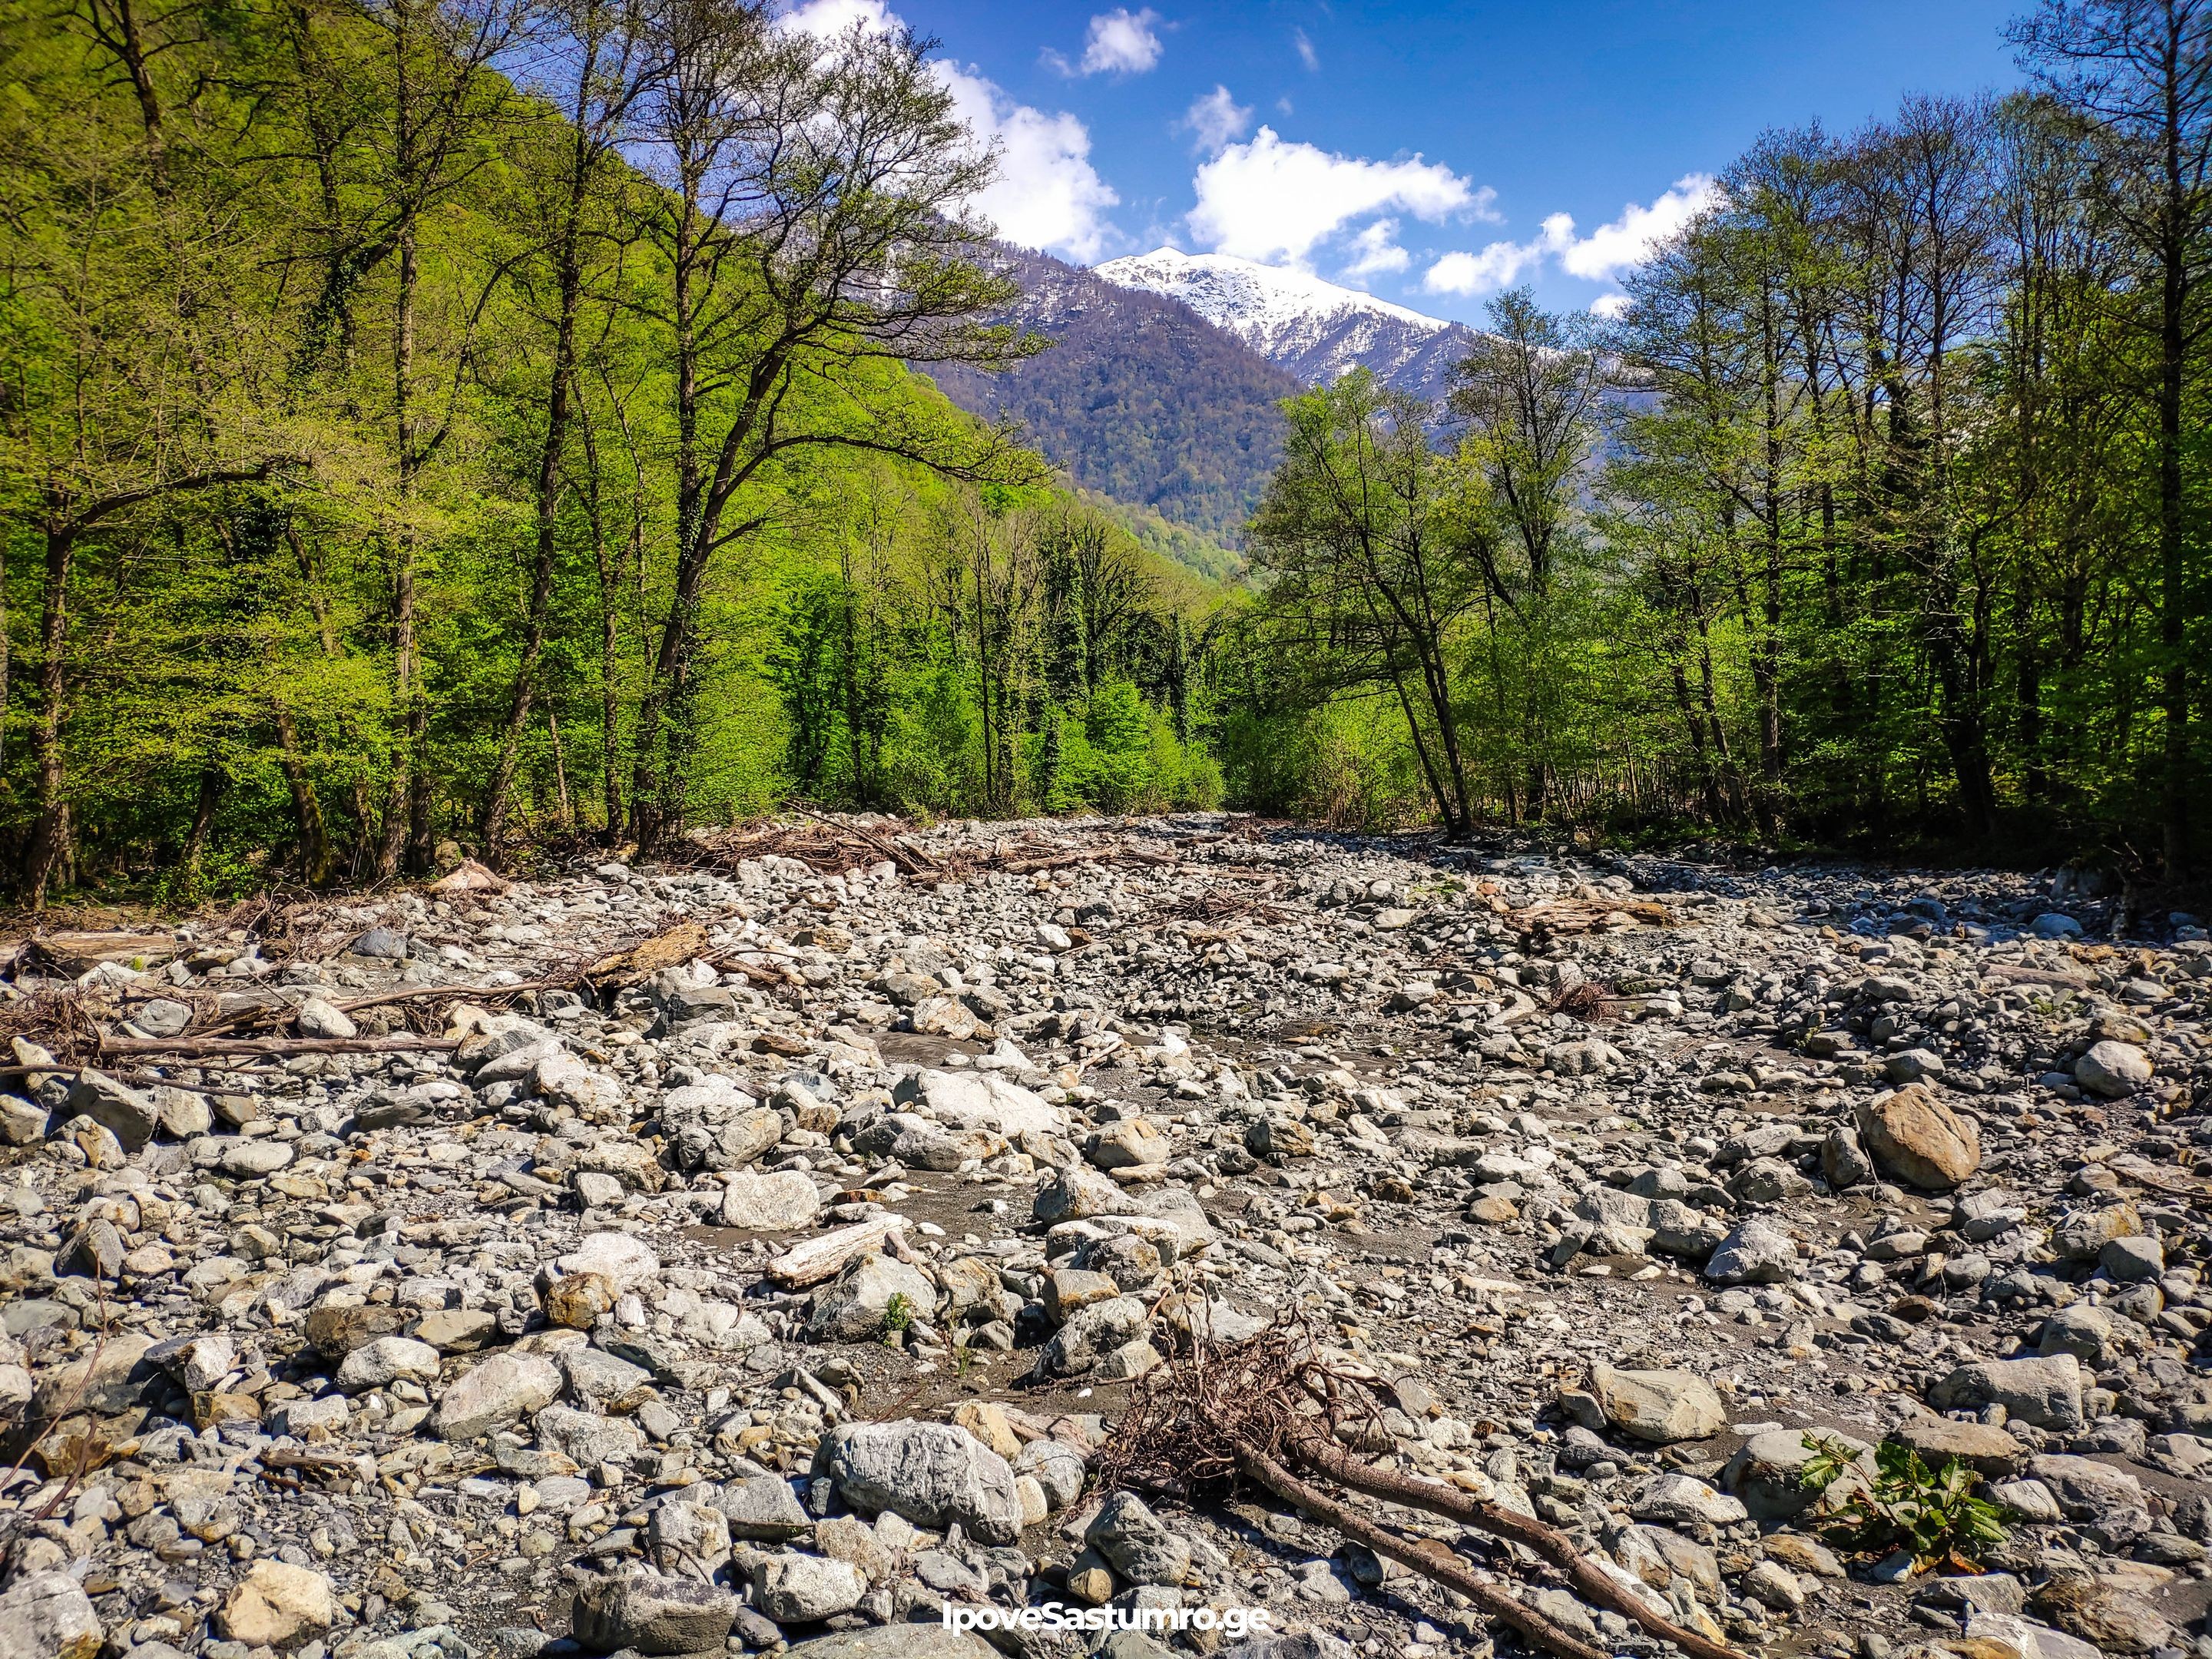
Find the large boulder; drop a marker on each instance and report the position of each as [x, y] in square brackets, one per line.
[978, 1100]
[278, 1605]
[47, 1615]
[2045, 1392]
[778, 1203]
[625, 1261]
[1914, 1136]
[1757, 1253]
[130, 1116]
[1080, 1192]
[1143, 1550]
[793, 1588]
[1988, 1451]
[503, 1390]
[932, 1474]
[2110, 1070]
[929, 1641]
[855, 1308]
[648, 1614]
[1659, 1407]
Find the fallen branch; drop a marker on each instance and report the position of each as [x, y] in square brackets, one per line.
[223, 1048]
[1592, 1582]
[911, 861]
[281, 1012]
[1435, 1563]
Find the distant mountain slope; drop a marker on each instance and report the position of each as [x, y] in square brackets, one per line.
[1314, 329]
[1140, 398]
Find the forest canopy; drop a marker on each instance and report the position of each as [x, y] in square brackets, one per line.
[444, 422]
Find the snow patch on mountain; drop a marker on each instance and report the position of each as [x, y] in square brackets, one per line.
[1314, 328]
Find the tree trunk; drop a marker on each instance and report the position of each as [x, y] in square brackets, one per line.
[405, 698]
[2173, 598]
[46, 761]
[210, 795]
[307, 808]
[492, 820]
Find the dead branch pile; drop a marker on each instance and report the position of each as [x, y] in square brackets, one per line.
[1274, 1411]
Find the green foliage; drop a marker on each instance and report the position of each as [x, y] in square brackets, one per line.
[379, 498]
[1905, 1506]
[898, 1317]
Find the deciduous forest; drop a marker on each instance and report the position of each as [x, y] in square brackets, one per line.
[430, 425]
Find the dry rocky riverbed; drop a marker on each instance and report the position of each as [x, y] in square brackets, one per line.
[779, 1288]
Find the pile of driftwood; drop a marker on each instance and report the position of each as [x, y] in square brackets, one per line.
[827, 843]
[79, 1028]
[1273, 1412]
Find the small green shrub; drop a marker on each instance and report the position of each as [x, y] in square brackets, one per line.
[1934, 1514]
[898, 1316]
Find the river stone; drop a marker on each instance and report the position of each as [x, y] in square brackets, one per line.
[1757, 1253]
[626, 1263]
[385, 1360]
[2130, 1261]
[2111, 1070]
[649, 1613]
[1659, 1407]
[2006, 1636]
[932, 1474]
[1764, 1474]
[854, 1308]
[1915, 1137]
[501, 1390]
[276, 1605]
[319, 1018]
[778, 1203]
[2045, 1392]
[125, 1113]
[932, 1640]
[978, 1100]
[113, 1379]
[1989, 1452]
[1672, 1498]
[47, 1615]
[1143, 1550]
[762, 1506]
[801, 1589]
[1080, 1192]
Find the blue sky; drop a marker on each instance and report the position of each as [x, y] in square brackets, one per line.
[1428, 153]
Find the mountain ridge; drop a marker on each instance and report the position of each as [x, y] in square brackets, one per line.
[1316, 329]
[1140, 398]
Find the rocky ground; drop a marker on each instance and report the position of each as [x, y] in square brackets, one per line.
[777, 1281]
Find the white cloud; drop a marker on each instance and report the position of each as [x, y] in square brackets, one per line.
[1376, 251]
[1629, 240]
[1500, 265]
[827, 20]
[1266, 199]
[1121, 42]
[1494, 268]
[1045, 193]
[1217, 120]
[1304, 48]
[1599, 256]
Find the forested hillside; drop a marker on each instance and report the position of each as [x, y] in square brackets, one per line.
[1140, 398]
[451, 421]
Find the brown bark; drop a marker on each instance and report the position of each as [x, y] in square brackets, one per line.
[1434, 1562]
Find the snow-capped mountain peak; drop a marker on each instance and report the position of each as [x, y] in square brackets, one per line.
[1314, 328]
